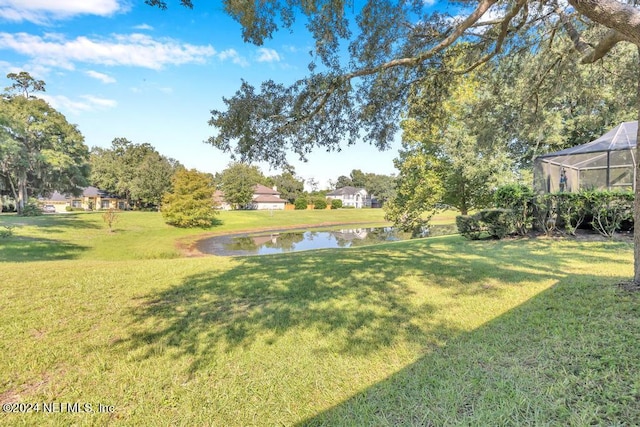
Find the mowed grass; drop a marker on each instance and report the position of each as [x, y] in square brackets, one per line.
[438, 331]
[144, 235]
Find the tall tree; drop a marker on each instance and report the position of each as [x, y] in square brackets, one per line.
[343, 181]
[288, 184]
[40, 152]
[543, 100]
[238, 181]
[136, 172]
[396, 42]
[469, 162]
[358, 178]
[380, 186]
[418, 189]
[23, 84]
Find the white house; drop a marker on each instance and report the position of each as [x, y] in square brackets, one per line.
[267, 198]
[263, 198]
[351, 196]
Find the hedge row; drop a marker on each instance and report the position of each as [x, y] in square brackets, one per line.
[497, 223]
[518, 211]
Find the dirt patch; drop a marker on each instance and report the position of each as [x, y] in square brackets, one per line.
[15, 396]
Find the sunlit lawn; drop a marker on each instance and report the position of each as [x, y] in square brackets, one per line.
[428, 332]
[143, 235]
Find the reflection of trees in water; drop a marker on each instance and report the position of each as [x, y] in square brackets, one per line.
[368, 236]
[244, 243]
[285, 241]
[343, 238]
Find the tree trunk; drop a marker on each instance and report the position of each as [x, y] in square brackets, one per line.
[636, 202]
[22, 192]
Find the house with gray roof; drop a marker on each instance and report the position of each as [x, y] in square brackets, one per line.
[264, 198]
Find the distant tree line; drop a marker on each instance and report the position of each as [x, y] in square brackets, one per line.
[135, 172]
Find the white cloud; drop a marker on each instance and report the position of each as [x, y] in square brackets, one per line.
[267, 55]
[104, 78]
[234, 56]
[6, 67]
[43, 11]
[87, 103]
[138, 50]
[99, 102]
[144, 27]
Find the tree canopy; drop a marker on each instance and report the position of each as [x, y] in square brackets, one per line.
[288, 184]
[136, 172]
[238, 182]
[392, 44]
[40, 152]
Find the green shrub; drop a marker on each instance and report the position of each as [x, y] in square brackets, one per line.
[609, 210]
[469, 226]
[31, 209]
[189, 204]
[300, 203]
[336, 204]
[545, 213]
[319, 203]
[497, 222]
[572, 209]
[519, 199]
[7, 232]
[72, 209]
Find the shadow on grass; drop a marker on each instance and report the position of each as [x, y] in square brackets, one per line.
[568, 356]
[264, 298]
[28, 249]
[51, 223]
[364, 298]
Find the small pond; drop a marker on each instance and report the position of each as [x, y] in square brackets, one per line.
[275, 242]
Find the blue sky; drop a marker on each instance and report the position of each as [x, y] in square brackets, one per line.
[119, 68]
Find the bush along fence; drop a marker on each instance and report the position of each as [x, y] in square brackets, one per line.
[518, 211]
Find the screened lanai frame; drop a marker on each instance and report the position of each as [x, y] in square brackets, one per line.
[608, 163]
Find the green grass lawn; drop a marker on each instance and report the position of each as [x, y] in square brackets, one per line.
[438, 331]
[143, 235]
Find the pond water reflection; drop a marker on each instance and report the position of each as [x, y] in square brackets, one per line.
[292, 241]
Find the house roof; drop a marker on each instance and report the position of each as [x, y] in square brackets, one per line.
[346, 191]
[86, 192]
[263, 189]
[268, 198]
[55, 197]
[92, 192]
[261, 194]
